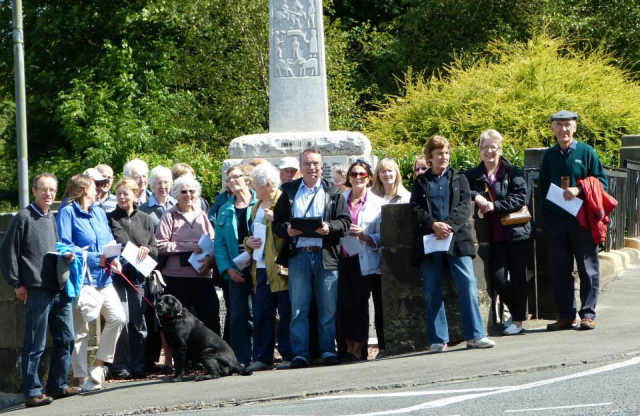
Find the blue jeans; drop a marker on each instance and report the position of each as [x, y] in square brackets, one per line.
[46, 309]
[467, 286]
[306, 275]
[240, 311]
[264, 321]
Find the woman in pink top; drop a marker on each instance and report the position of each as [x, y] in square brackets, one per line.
[178, 234]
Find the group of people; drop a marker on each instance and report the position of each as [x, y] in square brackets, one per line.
[297, 256]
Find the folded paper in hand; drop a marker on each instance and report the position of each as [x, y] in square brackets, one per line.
[242, 260]
[206, 244]
[431, 244]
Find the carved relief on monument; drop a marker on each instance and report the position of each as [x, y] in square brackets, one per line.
[294, 38]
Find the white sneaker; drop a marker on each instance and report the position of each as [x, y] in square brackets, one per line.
[435, 348]
[96, 374]
[89, 385]
[513, 329]
[480, 343]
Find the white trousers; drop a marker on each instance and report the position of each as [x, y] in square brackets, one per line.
[115, 318]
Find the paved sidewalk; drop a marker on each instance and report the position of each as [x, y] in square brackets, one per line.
[616, 336]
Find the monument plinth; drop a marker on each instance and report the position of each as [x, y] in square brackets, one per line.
[298, 104]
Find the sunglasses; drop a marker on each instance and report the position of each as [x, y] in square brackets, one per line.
[421, 169]
[360, 175]
[185, 191]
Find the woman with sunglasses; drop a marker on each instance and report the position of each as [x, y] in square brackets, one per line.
[177, 235]
[441, 206]
[420, 166]
[361, 261]
[498, 188]
[233, 225]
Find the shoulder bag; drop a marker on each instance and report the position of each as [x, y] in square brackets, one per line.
[89, 300]
[521, 216]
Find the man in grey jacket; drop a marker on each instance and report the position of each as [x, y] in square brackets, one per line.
[28, 265]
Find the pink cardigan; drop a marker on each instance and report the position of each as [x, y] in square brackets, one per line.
[175, 235]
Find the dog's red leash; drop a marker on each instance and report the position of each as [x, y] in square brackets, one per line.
[108, 269]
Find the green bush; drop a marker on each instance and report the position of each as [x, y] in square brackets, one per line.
[207, 163]
[514, 88]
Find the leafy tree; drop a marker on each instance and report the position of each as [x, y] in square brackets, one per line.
[514, 89]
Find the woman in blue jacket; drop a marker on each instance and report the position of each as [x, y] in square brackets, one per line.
[84, 227]
[232, 226]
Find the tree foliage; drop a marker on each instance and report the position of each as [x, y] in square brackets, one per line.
[514, 89]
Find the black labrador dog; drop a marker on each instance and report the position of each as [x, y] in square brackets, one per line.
[190, 339]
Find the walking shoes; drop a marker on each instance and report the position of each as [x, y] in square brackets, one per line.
[561, 324]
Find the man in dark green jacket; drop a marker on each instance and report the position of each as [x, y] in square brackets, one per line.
[564, 165]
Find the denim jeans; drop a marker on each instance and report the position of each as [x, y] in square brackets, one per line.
[240, 295]
[467, 286]
[46, 309]
[264, 321]
[131, 344]
[307, 275]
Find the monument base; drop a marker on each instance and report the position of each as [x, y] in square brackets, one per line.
[338, 148]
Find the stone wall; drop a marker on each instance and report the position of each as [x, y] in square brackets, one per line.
[403, 294]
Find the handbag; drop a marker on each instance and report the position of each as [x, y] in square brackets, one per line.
[156, 283]
[89, 300]
[521, 216]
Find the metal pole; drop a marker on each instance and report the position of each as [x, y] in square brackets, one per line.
[21, 104]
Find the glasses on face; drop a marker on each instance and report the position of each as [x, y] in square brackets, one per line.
[189, 191]
[493, 148]
[102, 184]
[234, 177]
[47, 190]
[309, 164]
[163, 183]
[360, 175]
[421, 169]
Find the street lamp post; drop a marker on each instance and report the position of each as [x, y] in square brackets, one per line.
[21, 105]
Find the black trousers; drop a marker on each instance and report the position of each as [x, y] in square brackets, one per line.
[508, 272]
[566, 241]
[353, 301]
[198, 294]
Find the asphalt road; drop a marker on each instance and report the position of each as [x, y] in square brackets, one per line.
[506, 376]
[611, 389]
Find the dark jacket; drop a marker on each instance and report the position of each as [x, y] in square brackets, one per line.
[336, 214]
[137, 228]
[24, 249]
[459, 212]
[511, 194]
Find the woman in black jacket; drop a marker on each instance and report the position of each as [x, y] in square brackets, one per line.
[129, 224]
[498, 188]
[441, 206]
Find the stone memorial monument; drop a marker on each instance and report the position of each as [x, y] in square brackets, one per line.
[298, 104]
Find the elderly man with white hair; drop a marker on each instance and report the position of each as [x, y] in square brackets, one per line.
[138, 170]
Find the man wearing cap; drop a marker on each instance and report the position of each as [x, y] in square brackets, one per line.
[105, 198]
[289, 169]
[312, 260]
[32, 272]
[563, 165]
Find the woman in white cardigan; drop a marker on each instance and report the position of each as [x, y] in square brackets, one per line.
[361, 261]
